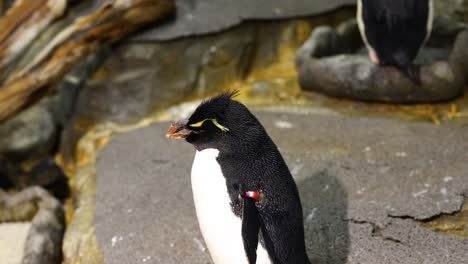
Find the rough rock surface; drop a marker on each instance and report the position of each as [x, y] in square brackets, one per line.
[356, 77]
[326, 41]
[31, 133]
[196, 17]
[450, 16]
[142, 78]
[45, 216]
[364, 183]
[35, 131]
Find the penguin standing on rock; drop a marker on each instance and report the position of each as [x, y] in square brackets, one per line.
[395, 30]
[246, 200]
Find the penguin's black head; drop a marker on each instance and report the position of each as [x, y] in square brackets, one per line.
[219, 122]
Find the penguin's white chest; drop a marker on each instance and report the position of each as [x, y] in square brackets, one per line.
[221, 228]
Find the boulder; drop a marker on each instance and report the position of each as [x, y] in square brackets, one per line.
[354, 76]
[195, 17]
[47, 223]
[31, 133]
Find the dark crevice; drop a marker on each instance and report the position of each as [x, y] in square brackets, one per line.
[377, 231]
[433, 217]
[457, 226]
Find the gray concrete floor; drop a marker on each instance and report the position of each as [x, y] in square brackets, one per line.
[365, 184]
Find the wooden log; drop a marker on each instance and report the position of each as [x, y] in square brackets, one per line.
[23, 22]
[111, 22]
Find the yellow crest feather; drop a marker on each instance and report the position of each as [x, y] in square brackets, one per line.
[214, 121]
[199, 124]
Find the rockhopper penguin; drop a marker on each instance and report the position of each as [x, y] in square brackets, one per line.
[395, 30]
[246, 200]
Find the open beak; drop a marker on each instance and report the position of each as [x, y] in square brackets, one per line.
[178, 130]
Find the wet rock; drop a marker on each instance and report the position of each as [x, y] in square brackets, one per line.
[356, 77]
[44, 239]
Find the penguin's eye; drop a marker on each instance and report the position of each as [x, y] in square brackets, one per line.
[214, 121]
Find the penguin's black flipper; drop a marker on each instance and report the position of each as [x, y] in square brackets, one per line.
[250, 229]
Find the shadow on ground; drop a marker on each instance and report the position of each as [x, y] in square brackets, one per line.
[324, 203]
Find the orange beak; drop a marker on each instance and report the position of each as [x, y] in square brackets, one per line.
[178, 130]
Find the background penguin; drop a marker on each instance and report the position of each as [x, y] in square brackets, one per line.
[247, 202]
[394, 30]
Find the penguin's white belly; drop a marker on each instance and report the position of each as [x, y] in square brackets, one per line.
[221, 228]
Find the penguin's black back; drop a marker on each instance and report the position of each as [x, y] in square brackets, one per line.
[396, 29]
[256, 164]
